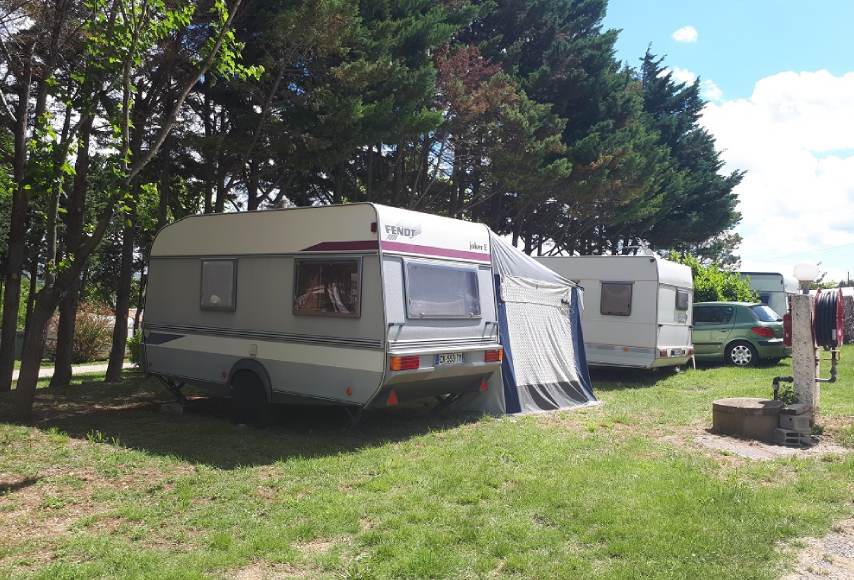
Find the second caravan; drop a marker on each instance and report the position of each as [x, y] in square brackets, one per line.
[637, 310]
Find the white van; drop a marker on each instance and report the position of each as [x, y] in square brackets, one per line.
[637, 309]
[349, 305]
[773, 288]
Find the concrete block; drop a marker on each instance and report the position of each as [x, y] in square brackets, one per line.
[799, 423]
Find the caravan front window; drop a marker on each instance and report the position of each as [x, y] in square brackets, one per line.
[441, 291]
[327, 287]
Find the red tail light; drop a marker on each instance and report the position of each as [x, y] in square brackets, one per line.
[763, 331]
[662, 353]
[493, 355]
[404, 363]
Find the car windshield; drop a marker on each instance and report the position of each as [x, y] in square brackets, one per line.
[765, 313]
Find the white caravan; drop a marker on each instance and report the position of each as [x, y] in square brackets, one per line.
[773, 288]
[637, 309]
[341, 304]
[354, 305]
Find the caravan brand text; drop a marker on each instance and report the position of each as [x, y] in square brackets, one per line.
[404, 231]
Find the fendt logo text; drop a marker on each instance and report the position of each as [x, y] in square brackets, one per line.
[394, 232]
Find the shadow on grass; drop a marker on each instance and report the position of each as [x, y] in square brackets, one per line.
[614, 379]
[7, 487]
[128, 415]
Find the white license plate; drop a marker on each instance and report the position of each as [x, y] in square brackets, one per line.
[677, 352]
[449, 358]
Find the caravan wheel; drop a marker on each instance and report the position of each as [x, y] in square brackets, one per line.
[250, 404]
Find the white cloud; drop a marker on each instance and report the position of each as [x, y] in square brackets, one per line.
[795, 138]
[686, 34]
[711, 91]
[681, 75]
[708, 88]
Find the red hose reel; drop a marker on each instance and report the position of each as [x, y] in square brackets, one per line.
[828, 315]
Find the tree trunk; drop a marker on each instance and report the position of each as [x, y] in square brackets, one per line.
[140, 300]
[74, 229]
[31, 295]
[32, 354]
[252, 186]
[120, 329]
[16, 252]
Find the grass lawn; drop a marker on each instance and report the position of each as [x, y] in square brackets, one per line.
[104, 485]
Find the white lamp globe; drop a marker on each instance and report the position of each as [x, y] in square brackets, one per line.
[806, 272]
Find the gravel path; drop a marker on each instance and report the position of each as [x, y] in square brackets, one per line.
[827, 558]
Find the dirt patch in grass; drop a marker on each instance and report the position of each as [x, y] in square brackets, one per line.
[315, 547]
[827, 558]
[269, 571]
[757, 450]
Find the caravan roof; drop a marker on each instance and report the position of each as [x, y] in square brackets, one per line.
[356, 227]
[786, 283]
[637, 268]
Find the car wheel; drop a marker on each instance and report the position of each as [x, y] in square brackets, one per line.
[741, 354]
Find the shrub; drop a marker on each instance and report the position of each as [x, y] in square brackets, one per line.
[93, 334]
[135, 347]
[713, 284]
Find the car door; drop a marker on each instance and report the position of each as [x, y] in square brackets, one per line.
[712, 327]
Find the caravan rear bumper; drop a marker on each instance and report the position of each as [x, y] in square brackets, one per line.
[432, 377]
[672, 356]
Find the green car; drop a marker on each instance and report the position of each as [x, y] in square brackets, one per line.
[740, 333]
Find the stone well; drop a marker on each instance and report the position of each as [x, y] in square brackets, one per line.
[746, 417]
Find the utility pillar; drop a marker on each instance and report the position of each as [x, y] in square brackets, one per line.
[805, 360]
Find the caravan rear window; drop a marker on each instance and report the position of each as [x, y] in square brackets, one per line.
[441, 291]
[616, 299]
[327, 287]
[218, 285]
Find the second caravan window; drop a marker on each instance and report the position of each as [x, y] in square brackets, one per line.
[327, 287]
[616, 299]
[682, 299]
[441, 291]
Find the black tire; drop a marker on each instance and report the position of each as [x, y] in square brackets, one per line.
[741, 354]
[249, 398]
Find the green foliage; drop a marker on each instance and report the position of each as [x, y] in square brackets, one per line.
[135, 347]
[93, 333]
[712, 283]
[787, 394]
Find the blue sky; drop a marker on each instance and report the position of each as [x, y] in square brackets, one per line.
[739, 41]
[780, 79]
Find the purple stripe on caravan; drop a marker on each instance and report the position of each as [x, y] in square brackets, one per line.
[398, 247]
[434, 251]
[343, 246]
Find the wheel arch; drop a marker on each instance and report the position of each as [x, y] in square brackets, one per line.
[257, 369]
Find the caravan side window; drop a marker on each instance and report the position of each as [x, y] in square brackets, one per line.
[441, 291]
[683, 297]
[219, 279]
[327, 287]
[616, 299]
